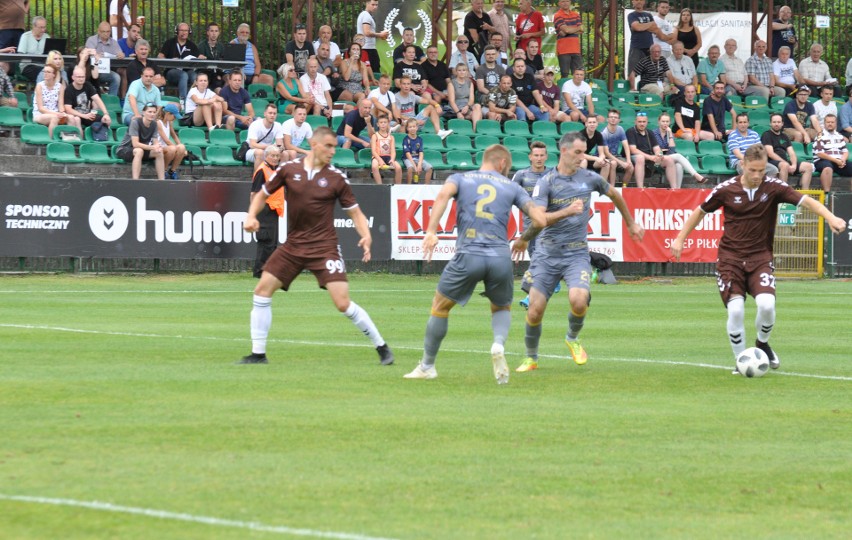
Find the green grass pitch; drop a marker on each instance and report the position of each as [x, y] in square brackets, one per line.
[123, 390]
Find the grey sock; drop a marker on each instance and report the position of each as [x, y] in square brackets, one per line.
[436, 329]
[532, 336]
[500, 322]
[575, 324]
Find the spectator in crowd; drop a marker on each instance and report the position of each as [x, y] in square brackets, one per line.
[713, 112]
[500, 22]
[295, 132]
[568, 26]
[740, 140]
[825, 105]
[682, 68]
[49, 102]
[846, 118]
[354, 122]
[831, 155]
[141, 143]
[550, 96]
[267, 234]
[128, 44]
[213, 49]
[800, 121]
[710, 70]
[783, 33]
[81, 99]
[408, 67]
[848, 76]
[13, 20]
[617, 148]
[290, 91]
[761, 77]
[173, 150]
[529, 103]
[299, 49]
[316, 84]
[781, 154]
[235, 99]
[365, 58]
[488, 75]
[203, 105]
[140, 62]
[407, 102]
[324, 36]
[655, 74]
[577, 97]
[534, 59]
[331, 69]
[814, 72]
[460, 96]
[642, 28]
[785, 70]
[529, 24]
[84, 57]
[502, 101]
[463, 55]
[383, 149]
[666, 141]
[180, 46]
[253, 70]
[594, 158]
[689, 35]
[735, 72]
[141, 92]
[367, 26]
[7, 91]
[263, 132]
[412, 153]
[520, 54]
[354, 76]
[437, 75]
[688, 117]
[106, 47]
[54, 58]
[477, 26]
[644, 150]
[384, 102]
[496, 40]
[122, 22]
[408, 39]
[32, 42]
[665, 34]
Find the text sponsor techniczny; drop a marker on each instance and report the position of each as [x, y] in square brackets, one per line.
[37, 216]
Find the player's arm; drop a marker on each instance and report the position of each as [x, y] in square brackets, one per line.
[693, 221]
[837, 224]
[430, 239]
[257, 201]
[636, 231]
[363, 229]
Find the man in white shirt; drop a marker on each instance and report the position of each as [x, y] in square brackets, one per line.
[664, 34]
[262, 133]
[384, 102]
[462, 54]
[785, 70]
[815, 73]
[682, 67]
[324, 33]
[735, 72]
[367, 25]
[577, 97]
[123, 22]
[317, 84]
[296, 131]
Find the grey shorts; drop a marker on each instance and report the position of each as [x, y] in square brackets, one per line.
[575, 267]
[410, 165]
[464, 272]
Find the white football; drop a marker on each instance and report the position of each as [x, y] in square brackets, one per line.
[753, 362]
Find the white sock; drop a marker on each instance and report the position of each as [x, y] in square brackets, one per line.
[736, 326]
[362, 320]
[261, 320]
[765, 319]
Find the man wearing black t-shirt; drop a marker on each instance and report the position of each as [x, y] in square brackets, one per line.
[779, 149]
[477, 26]
[409, 67]
[644, 150]
[437, 73]
[180, 46]
[594, 158]
[529, 101]
[408, 39]
[299, 50]
[355, 121]
[688, 117]
[81, 99]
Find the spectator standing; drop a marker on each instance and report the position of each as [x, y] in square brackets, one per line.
[408, 39]
[267, 233]
[783, 32]
[656, 77]
[180, 46]
[299, 50]
[437, 75]
[477, 26]
[710, 70]
[529, 24]
[568, 26]
[761, 78]
[713, 112]
[642, 28]
[367, 26]
[665, 34]
[13, 19]
[296, 131]
[830, 154]
[32, 42]
[825, 105]
[735, 72]
[204, 105]
[324, 34]
[141, 143]
[355, 121]
[689, 35]
[213, 49]
[800, 121]
[316, 84]
[463, 55]
[236, 98]
[682, 68]
[122, 22]
[500, 21]
[814, 72]
[782, 155]
[785, 70]
[644, 149]
[740, 140]
[688, 117]
[140, 93]
[263, 132]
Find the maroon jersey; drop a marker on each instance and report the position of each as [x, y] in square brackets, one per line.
[750, 217]
[310, 205]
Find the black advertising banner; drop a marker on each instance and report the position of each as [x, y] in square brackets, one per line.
[843, 242]
[58, 217]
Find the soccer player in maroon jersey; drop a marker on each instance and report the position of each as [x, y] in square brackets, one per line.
[312, 187]
[744, 264]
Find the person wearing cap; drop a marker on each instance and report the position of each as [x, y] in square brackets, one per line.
[173, 150]
[785, 70]
[800, 120]
[462, 54]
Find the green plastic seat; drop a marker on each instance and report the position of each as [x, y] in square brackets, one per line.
[222, 155]
[715, 164]
[460, 126]
[481, 142]
[711, 148]
[344, 158]
[459, 142]
[545, 129]
[517, 128]
[221, 137]
[549, 142]
[87, 137]
[59, 130]
[520, 160]
[755, 102]
[195, 151]
[256, 87]
[571, 127]
[195, 136]
[460, 160]
[686, 148]
[316, 120]
[436, 160]
[517, 144]
[432, 141]
[11, 117]
[489, 127]
[97, 153]
[60, 152]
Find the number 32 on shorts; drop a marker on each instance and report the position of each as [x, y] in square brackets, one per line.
[767, 280]
[335, 266]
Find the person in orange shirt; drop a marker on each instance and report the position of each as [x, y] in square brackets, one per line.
[267, 235]
[568, 26]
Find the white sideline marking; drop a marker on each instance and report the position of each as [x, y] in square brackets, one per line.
[401, 347]
[246, 292]
[207, 520]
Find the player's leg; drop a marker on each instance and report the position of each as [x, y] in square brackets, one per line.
[731, 280]
[540, 281]
[526, 281]
[436, 330]
[499, 282]
[577, 275]
[761, 284]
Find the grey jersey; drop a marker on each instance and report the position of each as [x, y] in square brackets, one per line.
[527, 179]
[483, 204]
[555, 191]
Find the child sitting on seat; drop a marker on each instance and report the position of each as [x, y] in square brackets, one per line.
[384, 152]
[412, 149]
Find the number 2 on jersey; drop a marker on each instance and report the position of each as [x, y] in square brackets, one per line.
[490, 193]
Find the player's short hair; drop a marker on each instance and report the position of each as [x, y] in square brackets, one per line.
[755, 152]
[537, 144]
[322, 131]
[496, 152]
[569, 138]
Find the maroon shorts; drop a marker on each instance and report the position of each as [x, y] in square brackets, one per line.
[745, 277]
[285, 266]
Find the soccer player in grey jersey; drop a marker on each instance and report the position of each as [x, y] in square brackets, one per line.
[562, 250]
[484, 200]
